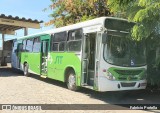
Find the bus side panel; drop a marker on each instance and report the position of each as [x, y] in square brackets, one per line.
[58, 62]
[33, 60]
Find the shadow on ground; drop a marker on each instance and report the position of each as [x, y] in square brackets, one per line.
[114, 97]
[119, 100]
[9, 72]
[117, 97]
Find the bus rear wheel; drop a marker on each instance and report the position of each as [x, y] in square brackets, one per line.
[26, 72]
[71, 81]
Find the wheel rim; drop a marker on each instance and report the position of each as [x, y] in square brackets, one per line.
[71, 81]
[25, 70]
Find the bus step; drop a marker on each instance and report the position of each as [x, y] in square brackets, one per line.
[43, 76]
[84, 84]
[89, 87]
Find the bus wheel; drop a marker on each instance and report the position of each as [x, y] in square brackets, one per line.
[71, 81]
[26, 73]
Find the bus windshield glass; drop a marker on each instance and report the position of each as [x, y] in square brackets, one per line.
[124, 52]
[119, 49]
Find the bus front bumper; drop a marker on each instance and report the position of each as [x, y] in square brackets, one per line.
[109, 85]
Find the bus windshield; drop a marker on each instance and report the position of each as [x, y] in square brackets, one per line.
[124, 52]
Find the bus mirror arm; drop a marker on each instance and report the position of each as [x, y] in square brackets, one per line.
[104, 38]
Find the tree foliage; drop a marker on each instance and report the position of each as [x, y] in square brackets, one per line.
[67, 12]
[147, 15]
[144, 12]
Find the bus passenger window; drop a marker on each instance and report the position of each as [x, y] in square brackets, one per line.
[36, 45]
[14, 46]
[29, 45]
[74, 40]
[74, 45]
[20, 47]
[55, 46]
[78, 34]
[62, 46]
[58, 41]
[24, 45]
[71, 35]
[75, 35]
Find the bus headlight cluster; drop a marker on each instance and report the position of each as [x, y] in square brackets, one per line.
[110, 76]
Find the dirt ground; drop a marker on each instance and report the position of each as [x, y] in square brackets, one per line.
[18, 89]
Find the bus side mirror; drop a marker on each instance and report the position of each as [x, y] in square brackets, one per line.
[15, 51]
[104, 38]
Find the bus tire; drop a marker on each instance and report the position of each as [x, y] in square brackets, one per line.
[71, 81]
[26, 72]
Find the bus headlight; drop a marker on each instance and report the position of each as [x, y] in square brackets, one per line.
[110, 76]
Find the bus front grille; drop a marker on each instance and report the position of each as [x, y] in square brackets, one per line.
[132, 84]
[128, 72]
[125, 78]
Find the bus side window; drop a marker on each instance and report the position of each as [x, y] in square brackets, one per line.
[29, 45]
[14, 46]
[74, 40]
[24, 45]
[78, 34]
[55, 46]
[62, 46]
[20, 47]
[36, 45]
[74, 45]
[59, 41]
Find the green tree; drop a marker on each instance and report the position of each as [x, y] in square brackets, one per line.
[146, 14]
[67, 12]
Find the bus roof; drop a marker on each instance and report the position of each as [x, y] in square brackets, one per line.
[96, 21]
[32, 35]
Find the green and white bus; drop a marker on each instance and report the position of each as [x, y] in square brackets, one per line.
[95, 54]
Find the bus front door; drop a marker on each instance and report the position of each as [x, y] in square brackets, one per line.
[88, 59]
[44, 56]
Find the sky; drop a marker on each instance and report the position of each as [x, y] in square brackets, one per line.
[28, 9]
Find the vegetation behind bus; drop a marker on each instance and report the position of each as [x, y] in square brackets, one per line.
[74, 11]
[146, 14]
